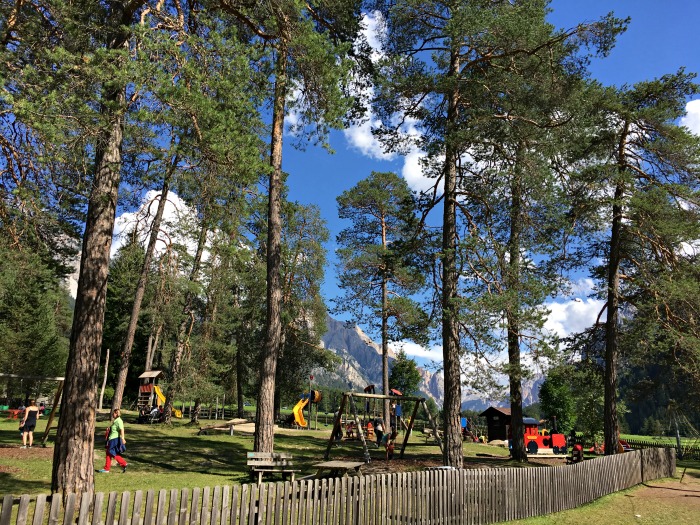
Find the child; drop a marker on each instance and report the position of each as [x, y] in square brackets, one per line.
[388, 441]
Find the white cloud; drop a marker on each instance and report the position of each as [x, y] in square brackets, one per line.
[434, 353]
[573, 316]
[360, 137]
[176, 212]
[692, 118]
[372, 27]
[582, 287]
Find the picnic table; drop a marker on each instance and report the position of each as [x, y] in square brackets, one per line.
[13, 413]
[337, 469]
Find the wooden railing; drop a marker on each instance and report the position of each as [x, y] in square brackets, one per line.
[435, 497]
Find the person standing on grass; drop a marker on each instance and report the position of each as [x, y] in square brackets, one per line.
[116, 443]
[31, 414]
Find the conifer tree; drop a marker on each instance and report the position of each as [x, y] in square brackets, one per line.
[648, 184]
[447, 65]
[311, 43]
[375, 262]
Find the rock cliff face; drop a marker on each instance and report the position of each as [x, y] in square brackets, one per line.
[362, 362]
[362, 365]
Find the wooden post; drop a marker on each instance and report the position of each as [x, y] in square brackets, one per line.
[216, 410]
[104, 380]
[336, 427]
[433, 425]
[409, 429]
[56, 399]
[360, 432]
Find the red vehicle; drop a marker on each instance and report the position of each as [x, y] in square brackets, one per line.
[535, 440]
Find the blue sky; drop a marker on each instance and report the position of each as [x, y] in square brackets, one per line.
[660, 39]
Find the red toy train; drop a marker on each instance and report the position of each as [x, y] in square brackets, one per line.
[536, 440]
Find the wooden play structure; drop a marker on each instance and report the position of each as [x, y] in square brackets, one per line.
[148, 388]
[349, 403]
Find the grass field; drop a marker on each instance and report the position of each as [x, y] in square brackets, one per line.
[175, 457]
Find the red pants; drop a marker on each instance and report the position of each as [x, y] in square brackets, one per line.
[108, 461]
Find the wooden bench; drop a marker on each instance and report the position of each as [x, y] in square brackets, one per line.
[261, 463]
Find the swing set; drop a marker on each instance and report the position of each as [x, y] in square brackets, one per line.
[348, 403]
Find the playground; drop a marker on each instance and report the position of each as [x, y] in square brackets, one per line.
[176, 457]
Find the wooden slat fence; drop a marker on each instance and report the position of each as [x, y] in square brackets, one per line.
[688, 451]
[429, 497]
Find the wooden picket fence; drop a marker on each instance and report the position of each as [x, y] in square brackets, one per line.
[688, 451]
[439, 496]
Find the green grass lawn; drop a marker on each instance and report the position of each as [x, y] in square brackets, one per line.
[176, 457]
[162, 457]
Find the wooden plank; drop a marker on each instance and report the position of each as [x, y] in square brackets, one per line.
[311, 487]
[343, 497]
[216, 505]
[205, 514]
[84, 512]
[184, 506]
[225, 504]
[148, 510]
[243, 515]
[124, 508]
[69, 509]
[111, 508]
[253, 505]
[137, 509]
[55, 510]
[96, 510]
[160, 511]
[22, 510]
[285, 513]
[294, 502]
[278, 516]
[39, 510]
[235, 501]
[363, 497]
[320, 501]
[195, 506]
[262, 504]
[269, 503]
[6, 514]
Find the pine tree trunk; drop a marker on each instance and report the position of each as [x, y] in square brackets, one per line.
[611, 432]
[104, 380]
[515, 374]
[453, 455]
[264, 416]
[73, 452]
[153, 342]
[194, 416]
[183, 332]
[386, 408]
[610, 424]
[138, 296]
[240, 372]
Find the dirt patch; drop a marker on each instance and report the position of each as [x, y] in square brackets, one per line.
[15, 452]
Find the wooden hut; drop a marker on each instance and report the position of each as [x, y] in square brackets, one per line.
[497, 422]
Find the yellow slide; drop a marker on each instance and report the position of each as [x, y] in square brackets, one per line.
[161, 401]
[298, 412]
